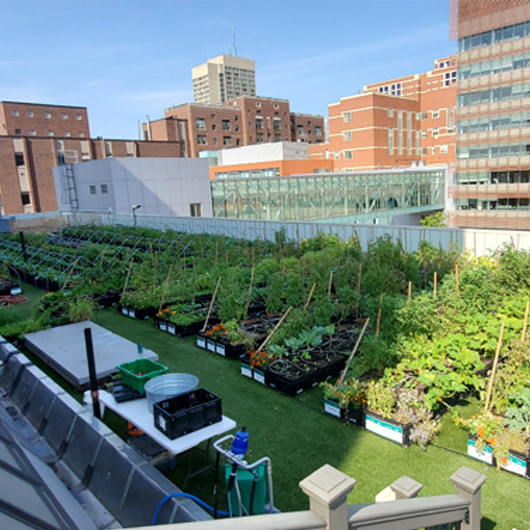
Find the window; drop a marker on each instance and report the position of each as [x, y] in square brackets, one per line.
[47, 115]
[318, 130]
[25, 198]
[423, 116]
[200, 123]
[104, 188]
[348, 155]
[215, 141]
[65, 116]
[423, 151]
[227, 140]
[92, 190]
[347, 136]
[80, 134]
[424, 134]
[390, 113]
[78, 117]
[259, 123]
[277, 137]
[201, 139]
[50, 133]
[277, 124]
[16, 113]
[212, 116]
[33, 132]
[214, 127]
[433, 150]
[225, 124]
[67, 133]
[435, 133]
[30, 114]
[444, 149]
[435, 113]
[259, 137]
[19, 159]
[195, 209]
[18, 131]
[347, 117]
[300, 129]
[258, 104]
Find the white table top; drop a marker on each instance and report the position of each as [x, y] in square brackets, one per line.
[138, 414]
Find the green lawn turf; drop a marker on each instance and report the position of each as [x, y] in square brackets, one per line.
[18, 312]
[299, 438]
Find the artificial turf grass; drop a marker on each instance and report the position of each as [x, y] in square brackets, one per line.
[300, 439]
[16, 312]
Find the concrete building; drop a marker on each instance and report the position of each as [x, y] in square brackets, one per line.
[161, 186]
[223, 78]
[492, 187]
[396, 123]
[241, 121]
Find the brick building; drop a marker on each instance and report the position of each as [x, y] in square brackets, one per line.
[27, 158]
[492, 188]
[395, 123]
[241, 121]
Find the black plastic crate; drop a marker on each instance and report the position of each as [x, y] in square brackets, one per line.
[187, 413]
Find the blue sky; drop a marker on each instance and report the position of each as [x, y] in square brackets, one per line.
[125, 59]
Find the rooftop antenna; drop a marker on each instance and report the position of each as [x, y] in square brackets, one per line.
[234, 50]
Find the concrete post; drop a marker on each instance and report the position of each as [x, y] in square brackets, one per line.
[327, 489]
[406, 488]
[468, 485]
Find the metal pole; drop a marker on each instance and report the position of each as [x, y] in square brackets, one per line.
[23, 243]
[92, 373]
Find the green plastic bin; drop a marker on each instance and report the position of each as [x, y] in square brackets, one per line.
[245, 479]
[130, 373]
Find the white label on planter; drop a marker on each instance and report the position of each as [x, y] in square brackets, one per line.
[125, 311]
[16, 290]
[246, 370]
[384, 429]
[201, 342]
[171, 329]
[132, 313]
[163, 325]
[162, 423]
[332, 408]
[259, 376]
[515, 465]
[210, 345]
[484, 455]
[220, 349]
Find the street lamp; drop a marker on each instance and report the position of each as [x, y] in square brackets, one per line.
[135, 207]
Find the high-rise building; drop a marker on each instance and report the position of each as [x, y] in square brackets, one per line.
[396, 123]
[223, 78]
[492, 187]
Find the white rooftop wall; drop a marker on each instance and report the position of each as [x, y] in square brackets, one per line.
[269, 152]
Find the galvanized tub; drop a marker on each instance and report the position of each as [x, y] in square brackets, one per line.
[168, 386]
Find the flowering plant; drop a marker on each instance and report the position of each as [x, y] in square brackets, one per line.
[348, 392]
[261, 359]
[217, 332]
[381, 398]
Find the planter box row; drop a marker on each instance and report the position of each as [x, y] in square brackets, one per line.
[225, 349]
[174, 329]
[517, 463]
[10, 289]
[138, 314]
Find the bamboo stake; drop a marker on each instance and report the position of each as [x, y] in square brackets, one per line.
[494, 369]
[330, 282]
[101, 259]
[127, 278]
[310, 295]
[410, 291]
[250, 287]
[523, 335]
[457, 281]
[274, 330]
[354, 351]
[211, 304]
[166, 285]
[69, 274]
[379, 316]
[435, 282]
[359, 280]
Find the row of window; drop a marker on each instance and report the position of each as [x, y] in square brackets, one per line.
[491, 95]
[245, 173]
[492, 151]
[47, 115]
[393, 89]
[497, 204]
[495, 66]
[104, 189]
[33, 132]
[494, 177]
[494, 36]
[494, 123]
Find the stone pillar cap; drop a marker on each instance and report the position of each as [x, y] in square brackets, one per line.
[406, 487]
[468, 479]
[327, 484]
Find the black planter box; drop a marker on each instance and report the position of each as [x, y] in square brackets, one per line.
[232, 351]
[291, 385]
[387, 428]
[138, 314]
[108, 298]
[187, 413]
[352, 414]
[333, 367]
[175, 329]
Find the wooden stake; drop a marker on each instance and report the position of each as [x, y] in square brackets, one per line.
[523, 335]
[166, 285]
[494, 369]
[69, 273]
[250, 287]
[410, 290]
[127, 278]
[330, 282]
[101, 259]
[457, 281]
[354, 351]
[435, 283]
[211, 304]
[379, 316]
[310, 295]
[359, 280]
[274, 330]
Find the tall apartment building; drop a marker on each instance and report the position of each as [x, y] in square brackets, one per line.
[223, 78]
[245, 120]
[395, 123]
[34, 138]
[492, 188]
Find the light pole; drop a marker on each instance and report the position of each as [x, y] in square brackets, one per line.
[135, 207]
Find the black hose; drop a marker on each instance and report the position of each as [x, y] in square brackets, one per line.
[216, 486]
